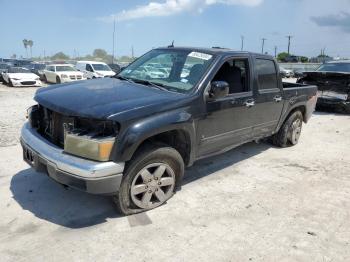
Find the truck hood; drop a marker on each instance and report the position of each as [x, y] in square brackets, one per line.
[328, 81]
[106, 98]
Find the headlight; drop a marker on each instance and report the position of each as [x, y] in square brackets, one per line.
[92, 139]
[88, 146]
[16, 79]
[64, 76]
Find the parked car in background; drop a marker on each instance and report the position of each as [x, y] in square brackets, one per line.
[115, 67]
[298, 73]
[62, 73]
[37, 68]
[94, 69]
[333, 81]
[20, 76]
[3, 69]
[286, 72]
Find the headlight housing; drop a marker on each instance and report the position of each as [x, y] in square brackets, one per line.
[92, 139]
[64, 76]
[88, 146]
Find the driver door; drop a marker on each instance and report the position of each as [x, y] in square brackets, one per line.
[228, 121]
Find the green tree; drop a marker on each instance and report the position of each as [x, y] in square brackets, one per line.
[101, 53]
[60, 56]
[25, 43]
[282, 56]
[30, 43]
[304, 59]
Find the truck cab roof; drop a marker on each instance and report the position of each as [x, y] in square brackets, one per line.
[216, 51]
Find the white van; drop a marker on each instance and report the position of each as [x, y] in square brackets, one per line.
[94, 69]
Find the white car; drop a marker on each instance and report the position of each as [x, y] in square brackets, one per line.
[286, 72]
[94, 69]
[62, 73]
[19, 76]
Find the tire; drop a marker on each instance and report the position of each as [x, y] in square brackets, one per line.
[290, 131]
[10, 83]
[142, 187]
[58, 80]
[45, 79]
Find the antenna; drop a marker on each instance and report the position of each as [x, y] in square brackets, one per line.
[172, 44]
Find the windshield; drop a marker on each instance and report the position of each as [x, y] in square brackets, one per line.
[64, 68]
[334, 67]
[175, 70]
[101, 67]
[18, 70]
[39, 66]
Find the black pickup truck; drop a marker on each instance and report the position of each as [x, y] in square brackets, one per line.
[132, 136]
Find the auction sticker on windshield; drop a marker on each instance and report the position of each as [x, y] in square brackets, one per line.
[199, 55]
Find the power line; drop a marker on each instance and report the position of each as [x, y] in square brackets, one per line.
[289, 37]
[263, 44]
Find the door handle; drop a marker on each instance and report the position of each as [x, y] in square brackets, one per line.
[249, 103]
[277, 99]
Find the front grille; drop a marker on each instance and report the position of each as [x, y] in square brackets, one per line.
[28, 82]
[72, 77]
[51, 125]
[79, 77]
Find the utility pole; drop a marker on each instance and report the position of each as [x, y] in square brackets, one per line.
[242, 42]
[113, 40]
[263, 44]
[132, 52]
[275, 51]
[289, 37]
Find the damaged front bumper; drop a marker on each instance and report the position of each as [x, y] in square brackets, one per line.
[333, 104]
[79, 173]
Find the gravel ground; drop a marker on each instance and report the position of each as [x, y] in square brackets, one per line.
[254, 203]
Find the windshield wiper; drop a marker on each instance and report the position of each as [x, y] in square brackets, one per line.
[149, 83]
[124, 78]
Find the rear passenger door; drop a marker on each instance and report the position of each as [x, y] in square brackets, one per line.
[268, 100]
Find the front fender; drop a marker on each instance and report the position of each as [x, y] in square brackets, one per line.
[130, 138]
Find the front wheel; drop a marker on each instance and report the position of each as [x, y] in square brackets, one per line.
[150, 180]
[58, 80]
[290, 131]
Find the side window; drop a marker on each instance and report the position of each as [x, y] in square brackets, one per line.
[89, 68]
[236, 73]
[267, 74]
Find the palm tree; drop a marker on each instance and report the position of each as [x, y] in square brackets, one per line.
[30, 44]
[25, 43]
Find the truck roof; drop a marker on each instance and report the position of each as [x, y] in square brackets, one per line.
[214, 50]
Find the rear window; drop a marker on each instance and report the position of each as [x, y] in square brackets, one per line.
[267, 74]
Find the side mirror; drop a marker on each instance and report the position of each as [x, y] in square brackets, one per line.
[218, 89]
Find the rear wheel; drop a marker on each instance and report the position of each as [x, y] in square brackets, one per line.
[45, 79]
[10, 83]
[150, 180]
[58, 80]
[290, 131]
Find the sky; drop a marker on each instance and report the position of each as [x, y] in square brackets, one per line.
[77, 27]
